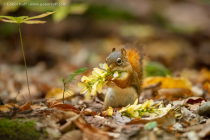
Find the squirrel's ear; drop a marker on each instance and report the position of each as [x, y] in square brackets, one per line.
[113, 49]
[123, 51]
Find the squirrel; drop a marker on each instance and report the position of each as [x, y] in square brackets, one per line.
[126, 88]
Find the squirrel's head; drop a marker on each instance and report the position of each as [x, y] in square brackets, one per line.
[117, 60]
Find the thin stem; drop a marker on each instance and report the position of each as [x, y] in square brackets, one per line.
[64, 90]
[24, 61]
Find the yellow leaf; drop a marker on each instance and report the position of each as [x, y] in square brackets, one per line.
[57, 93]
[168, 82]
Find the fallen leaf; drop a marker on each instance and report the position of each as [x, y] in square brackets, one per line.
[189, 117]
[174, 93]
[26, 106]
[61, 106]
[68, 126]
[205, 131]
[121, 119]
[90, 132]
[204, 75]
[72, 135]
[189, 100]
[57, 94]
[5, 107]
[168, 82]
[162, 120]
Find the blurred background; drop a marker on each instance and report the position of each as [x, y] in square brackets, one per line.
[176, 35]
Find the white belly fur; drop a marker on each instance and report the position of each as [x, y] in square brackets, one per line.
[121, 97]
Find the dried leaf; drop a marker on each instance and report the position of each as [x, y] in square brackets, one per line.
[61, 106]
[122, 119]
[163, 120]
[26, 106]
[72, 135]
[174, 93]
[5, 107]
[90, 132]
[168, 82]
[57, 93]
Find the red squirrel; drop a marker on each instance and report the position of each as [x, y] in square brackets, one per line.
[126, 88]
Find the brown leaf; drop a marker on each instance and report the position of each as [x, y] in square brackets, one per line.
[26, 106]
[190, 100]
[61, 106]
[90, 133]
[165, 119]
[96, 121]
[67, 127]
[205, 131]
[174, 93]
[121, 119]
[72, 135]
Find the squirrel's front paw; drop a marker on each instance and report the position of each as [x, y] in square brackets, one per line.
[109, 78]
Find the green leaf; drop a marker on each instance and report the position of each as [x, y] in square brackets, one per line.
[10, 21]
[25, 19]
[20, 19]
[150, 125]
[34, 22]
[9, 17]
[40, 16]
[156, 69]
[61, 14]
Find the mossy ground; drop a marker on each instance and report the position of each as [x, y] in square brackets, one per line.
[18, 130]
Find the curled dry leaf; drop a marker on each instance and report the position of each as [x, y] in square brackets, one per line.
[26, 106]
[163, 120]
[89, 131]
[61, 106]
[190, 100]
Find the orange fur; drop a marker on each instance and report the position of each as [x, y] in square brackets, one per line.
[134, 60]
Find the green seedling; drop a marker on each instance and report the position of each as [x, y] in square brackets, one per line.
[27, 20]
[71, 78]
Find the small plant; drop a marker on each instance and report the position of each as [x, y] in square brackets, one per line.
[27, 20]
[71, 78]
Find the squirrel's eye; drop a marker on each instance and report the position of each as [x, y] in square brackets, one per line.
[118, 60]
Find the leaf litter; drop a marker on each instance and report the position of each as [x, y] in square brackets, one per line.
[174, 117]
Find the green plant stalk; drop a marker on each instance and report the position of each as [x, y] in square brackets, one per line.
[64, 90]
[24, 61]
